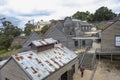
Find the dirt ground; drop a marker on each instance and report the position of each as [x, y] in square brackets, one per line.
[87, 75]
[107, 70]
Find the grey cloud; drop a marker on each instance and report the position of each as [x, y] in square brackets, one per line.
[36, 13]
[15, 21]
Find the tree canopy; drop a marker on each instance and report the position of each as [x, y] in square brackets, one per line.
[82, 15]
[5, 41]
[7, 34]
[45, 28]
[28, 28]
[12, 30]
[101, 14]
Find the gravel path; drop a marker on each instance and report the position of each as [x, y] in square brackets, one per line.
[87, 75]
[107, 70]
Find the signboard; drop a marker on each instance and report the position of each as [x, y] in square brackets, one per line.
[117, 40]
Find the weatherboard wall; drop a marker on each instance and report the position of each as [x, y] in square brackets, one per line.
[12, 71]
[108, 35]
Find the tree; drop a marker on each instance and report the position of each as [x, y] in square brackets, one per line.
[45, 28]
[103, 13]
[6, 23]
[5, 41]
[10, 29]
[28, 28]
[7, 34]
[82, 15]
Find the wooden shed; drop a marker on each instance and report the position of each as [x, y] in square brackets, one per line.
[110, 40]
[56, 63]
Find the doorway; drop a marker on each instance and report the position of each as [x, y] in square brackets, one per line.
[64, 76]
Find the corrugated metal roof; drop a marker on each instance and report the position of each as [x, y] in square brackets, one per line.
[40, 65]
[44, 42]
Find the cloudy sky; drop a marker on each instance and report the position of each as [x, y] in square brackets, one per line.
[20, 11]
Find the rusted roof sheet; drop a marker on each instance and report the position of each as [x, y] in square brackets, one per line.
[40, 65]
[44, 42]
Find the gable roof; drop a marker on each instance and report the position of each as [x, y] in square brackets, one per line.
[6, 61]
[58, 27]
[112, 23]
[42, 64]
[33, 36]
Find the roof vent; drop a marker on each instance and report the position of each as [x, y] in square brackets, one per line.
[44, 44]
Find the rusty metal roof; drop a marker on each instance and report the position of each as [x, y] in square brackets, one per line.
[40, 65]
[43, 42]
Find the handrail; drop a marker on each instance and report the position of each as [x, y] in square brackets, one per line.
[81, 62]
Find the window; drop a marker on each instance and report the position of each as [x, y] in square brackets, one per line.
[117, 40]
[76, 43]
[83, 43]
[64, 76]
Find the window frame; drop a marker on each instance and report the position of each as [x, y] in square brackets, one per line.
[117, 41]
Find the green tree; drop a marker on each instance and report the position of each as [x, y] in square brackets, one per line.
[10, 29]
[6, 23]
[7, 34]
[28, 28]
[5, 41]
[45, 28]
[82, 15]
[103, 13]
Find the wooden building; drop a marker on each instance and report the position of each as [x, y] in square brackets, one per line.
[52, 63]
[110, 39]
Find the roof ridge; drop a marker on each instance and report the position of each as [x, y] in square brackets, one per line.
[48, 31]
[110, 24]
